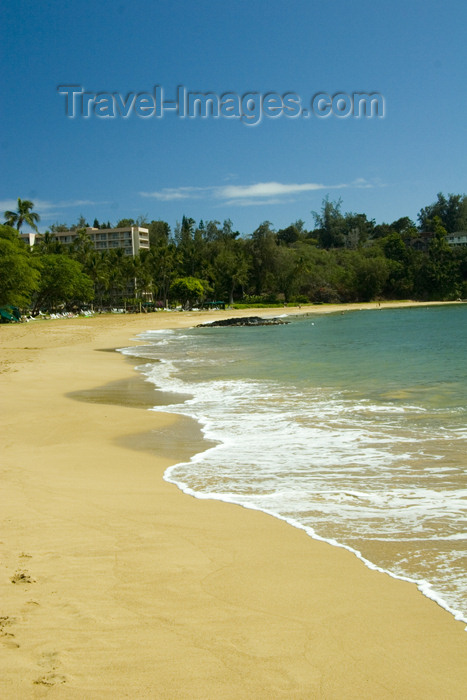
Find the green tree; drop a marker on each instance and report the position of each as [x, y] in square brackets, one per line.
[125, 223]
[82, 246]
[159, 233]
[357, 230]
[189, 290]
[287, 276]
[47, 243]
[291, 234]
[120, 275]
[81, 223]
[230, 268]
[263, 254]
[142, 220]
[62, 282]
[141, 273]
[330, 224]
[185, 240]
[394, 247]
[399, 283]
[163, 263]
[437, 275]
[370, 275]
[22, 215]
[451, 210]
[212, 230]
[19, 273]
[97, 269]
[404, 226]
[57, 227]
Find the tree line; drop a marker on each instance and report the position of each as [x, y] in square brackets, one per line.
[346, 257]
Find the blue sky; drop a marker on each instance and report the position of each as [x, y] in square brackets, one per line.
[412, 53]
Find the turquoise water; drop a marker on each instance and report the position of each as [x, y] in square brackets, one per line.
[351, 426]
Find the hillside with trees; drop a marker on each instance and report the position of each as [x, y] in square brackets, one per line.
[346, 257]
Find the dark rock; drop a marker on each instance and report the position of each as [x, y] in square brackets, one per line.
[245, 321]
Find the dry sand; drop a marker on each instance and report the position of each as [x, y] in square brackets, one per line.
[114, 584]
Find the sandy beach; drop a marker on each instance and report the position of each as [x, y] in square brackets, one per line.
[114, 584]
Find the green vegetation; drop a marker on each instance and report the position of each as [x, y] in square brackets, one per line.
[19, 273]
[23, 215]
[346, 257]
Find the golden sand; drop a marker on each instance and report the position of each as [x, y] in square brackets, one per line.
[114, 584]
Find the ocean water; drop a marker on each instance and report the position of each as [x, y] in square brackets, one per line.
[351, 426]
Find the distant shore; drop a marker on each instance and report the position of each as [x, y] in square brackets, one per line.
[115, 584]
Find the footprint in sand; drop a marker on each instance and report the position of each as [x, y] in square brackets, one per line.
[50, 679]
[7, 637]
[22, 577]
[49, 660]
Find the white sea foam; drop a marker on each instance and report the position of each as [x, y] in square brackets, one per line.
[320, 460]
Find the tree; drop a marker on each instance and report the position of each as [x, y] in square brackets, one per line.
[19, 273]
[47, 243]
[82, 246]
[141, 273]
[62, 282]
[159, 233]
[57, 227]
[394, 247]
[263, 251]
[365, 274]
[371, 273]
[404, 226]
[230, 267]
[288, 235]
[125, 223]
[212, 230]
[163, 264]
[189, 290]
[82, 223]
[357, 230]
[452, 212]
[96, 268]
[120, 274]
[184, 237]
[287, 275]
[437, 275]
[142, 220]
[22, 215]
[330, 224]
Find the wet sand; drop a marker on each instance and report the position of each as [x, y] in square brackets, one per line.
[114, 584]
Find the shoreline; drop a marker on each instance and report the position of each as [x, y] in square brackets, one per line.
[425, 587]
[136, 590]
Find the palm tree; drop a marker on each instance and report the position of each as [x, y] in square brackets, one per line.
[22, 215]
[97, 269]
[82, 246]
[47, 243]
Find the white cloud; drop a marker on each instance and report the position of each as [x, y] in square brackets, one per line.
[168, 194]
[252, 202]
[360, 182]
[265, 189]
[247, 195]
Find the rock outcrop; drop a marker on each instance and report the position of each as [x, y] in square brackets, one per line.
[245, 321]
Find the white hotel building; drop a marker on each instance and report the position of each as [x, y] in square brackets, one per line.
[131, 239]
[459, 238]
